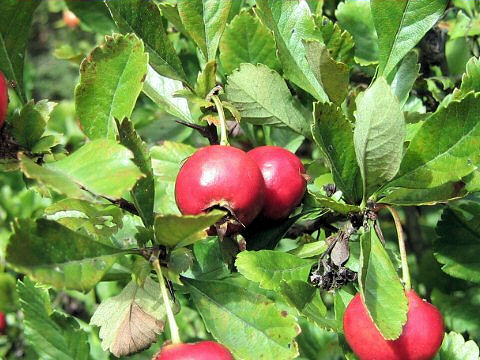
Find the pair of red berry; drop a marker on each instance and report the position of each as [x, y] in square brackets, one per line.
[268, 180]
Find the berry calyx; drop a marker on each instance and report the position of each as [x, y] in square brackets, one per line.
[70, 19]
[285, 180]
[3, 323]
[3, 99]
[219, 176]
[420, 340]
[205, 350]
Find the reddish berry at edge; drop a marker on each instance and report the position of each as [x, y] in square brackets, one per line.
[3, 99]
[3, 322]
[221, 176]
[284, 177]
[205, 350]
[420, 340]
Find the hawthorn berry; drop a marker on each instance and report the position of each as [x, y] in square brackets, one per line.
[284, 177]
[3, 99]
[420, 340]
[224, 177]
[70, 19]
[205, 350]
[3, 323]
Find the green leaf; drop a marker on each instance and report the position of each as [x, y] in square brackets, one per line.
[444, 149]
[339, 42]
[53, 336]
[205, 22]
[211, 260]
[93, 15]
[332, 75]
[53, 254]
[102, 167]
[470, 79]
[405, 77]
[246, 322]
[378, 135]
[380, 287]
[247, 40]
[269, 268]
[308, 301]
[291, 22]
[8, 296]
[131, 321]
[29, 124]
[322, 200]
[166, 162]
[206, 80]
[143, 193]
[454, 347]
[144, 20]
[183, 230]
[111, 78]
[333, 133]
[356, 17]
[431, 196]
[15, 21]
[459, 240]
[401, 25]
[162, 90]
[263, 98]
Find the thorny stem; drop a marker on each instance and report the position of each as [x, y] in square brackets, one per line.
[223, 123]
[174, 333]
[401, 245]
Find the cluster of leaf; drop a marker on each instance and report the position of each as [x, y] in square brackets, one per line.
[354, 86]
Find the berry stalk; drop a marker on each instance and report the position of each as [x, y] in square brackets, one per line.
[223, 122]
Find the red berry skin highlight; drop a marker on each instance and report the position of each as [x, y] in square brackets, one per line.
[284, 177]
[223, 176]
[3, 99]
[205, 350]
[3, 323]
[420, 340]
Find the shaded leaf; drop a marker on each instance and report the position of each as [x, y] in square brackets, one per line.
[206, 79]
[454, 347]
[431, 196]
[93, 15]
[8, 296]
[405, 77]
[339, 42]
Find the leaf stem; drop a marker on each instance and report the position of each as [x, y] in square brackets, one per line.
[401, 245]
[174, 333]
[223, 123]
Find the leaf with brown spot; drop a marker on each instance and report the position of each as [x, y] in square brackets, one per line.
[131, 321]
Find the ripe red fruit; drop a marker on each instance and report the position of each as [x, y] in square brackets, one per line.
[420, 340]
[3, 322]
[3, 99]
[70, 19]
[284, 177]
[205, 350]
[220, 176]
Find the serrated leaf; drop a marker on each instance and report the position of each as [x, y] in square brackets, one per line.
[143, 19]
[331, 74]
[378, 136]
[15, 21]
[143, 193]
[29, 124]
[184, 230]
[53, 254]
[459, 239]
[269, 268]
[380, 287]
[454, 347]
[166, 162]
[53, 336]
[102, 167]
[356, 17]
[401, 25]
[111, 78]
[333, 133]
[444, 149]
[96, 219]
[339, 42]
[205, 21]
[291, 22]
[131, 321]
[470, 79]
[262, 98]
[246, 322]
[247, 40]
[405, 77]
[162, 92]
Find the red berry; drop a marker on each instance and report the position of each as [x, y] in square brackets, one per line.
[3, 99]
[3, 322]
[420, 340]
[220, 176]
[205, 350]
[70, 19]
[284, 177]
